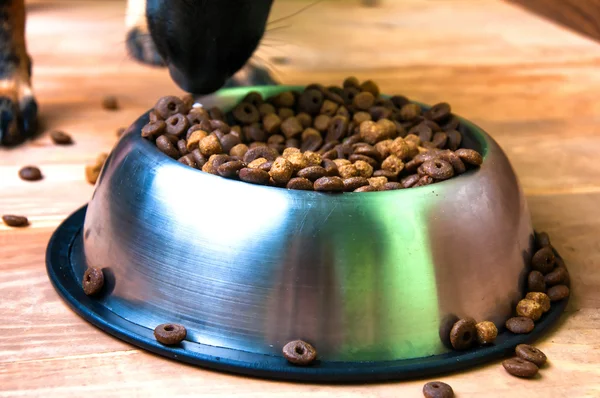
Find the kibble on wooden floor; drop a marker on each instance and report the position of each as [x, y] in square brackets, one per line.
[391, 143]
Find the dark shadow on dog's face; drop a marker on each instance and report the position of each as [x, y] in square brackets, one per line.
[204, 42]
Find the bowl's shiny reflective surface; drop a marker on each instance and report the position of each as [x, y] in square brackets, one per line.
[362, 276]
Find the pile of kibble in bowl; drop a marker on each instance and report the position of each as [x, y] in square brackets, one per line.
[330, 139]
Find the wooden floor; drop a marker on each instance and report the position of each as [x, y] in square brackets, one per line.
[533, 85]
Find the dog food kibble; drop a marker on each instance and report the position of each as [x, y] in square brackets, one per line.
[530, 309]
[543, 260]
[30, 173]
[486, 332]
[463, 334]
[110, 102]
[531, 354]
[355, 125]
[541, 298]
[12, 220]
[542, 240]
[520, 325]
[520, 367]
[61, 138]
[558, 292]
[437, 389]
[536, 282]
[120, 131]
[170, 333]
[299, 352]
[92, 170]
[93, 281]
[560, 275]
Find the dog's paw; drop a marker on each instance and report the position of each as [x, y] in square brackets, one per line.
[141, 47]
[252, 74]
[18, 113]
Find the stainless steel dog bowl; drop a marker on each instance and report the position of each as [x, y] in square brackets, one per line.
[368, 278]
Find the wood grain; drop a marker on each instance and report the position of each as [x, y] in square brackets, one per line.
[530, 83]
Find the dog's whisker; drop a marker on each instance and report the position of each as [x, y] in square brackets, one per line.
[295, 13]
[275, 28]
[268, 66]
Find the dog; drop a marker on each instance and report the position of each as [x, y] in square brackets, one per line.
[204, 44]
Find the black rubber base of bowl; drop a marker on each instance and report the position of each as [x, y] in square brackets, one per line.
[59, 264]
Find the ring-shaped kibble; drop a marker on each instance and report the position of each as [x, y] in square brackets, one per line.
[439, 139]
[30, 173]
[177, 124]
[520, 367]
[311, 140]
[254, 176]
[438, 169]
[188, 160]
[182, 147]
[169, 105]
[422, 130]
[531, 354]
[543, 260]
[520, 325]
[463, 334]
[355, 158]
[260, 152]
[542, 239]
[558, 292]
[351, 81]
[310, 101]
[349, 94]
[438, 112]
[220, 125]
[254, 98]
[338, 128]
[93, 281]
[231, 169]
[353, 183]
[469, 156]
[410, 181]
[15, 221]
[452, 158]
[335, 96]
[299, 183]
[454, 139]
[299, 352]
[437, 389]
[366, 188]
[451, 124]
[392, 186]
[536, 282]
[165, 145]
[557, 276]
[390, 175]
[170, 333]
[313, 173]
[329, 184]
[229, 141]
[216, 113]
[246, 113]
[366, 150]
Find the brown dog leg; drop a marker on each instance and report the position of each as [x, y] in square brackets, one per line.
[18, 109]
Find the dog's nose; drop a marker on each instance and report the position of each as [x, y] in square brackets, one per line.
[199, 83]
